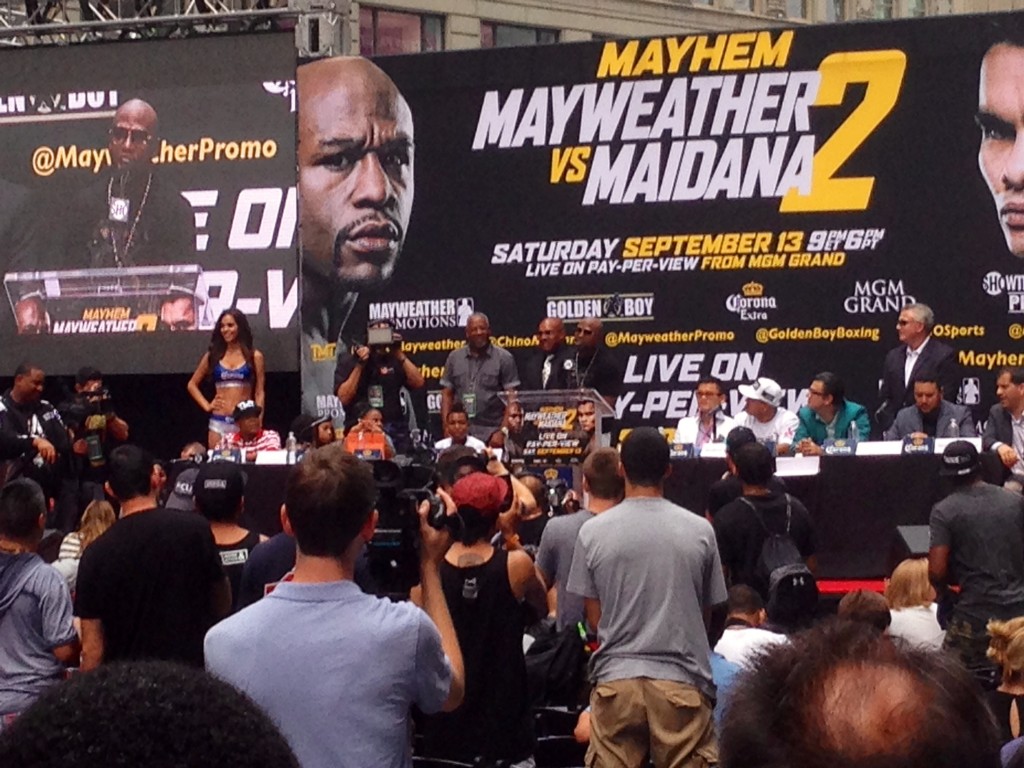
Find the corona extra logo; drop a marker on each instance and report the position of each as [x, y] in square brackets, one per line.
[753, 290]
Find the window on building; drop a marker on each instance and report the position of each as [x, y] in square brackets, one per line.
[883, 9]
[835, 10]
[744, 5]
[796, 9]
[494, 35]
[383, 33]
[915, 8]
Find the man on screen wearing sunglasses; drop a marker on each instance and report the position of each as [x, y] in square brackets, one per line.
[132, 216]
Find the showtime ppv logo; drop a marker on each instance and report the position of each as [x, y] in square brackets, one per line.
[751, 303]
[877, 296]
[424, 313]
[615, 306]
[995, 284]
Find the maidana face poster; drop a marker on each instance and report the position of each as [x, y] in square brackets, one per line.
[739, 204]
[144, 188]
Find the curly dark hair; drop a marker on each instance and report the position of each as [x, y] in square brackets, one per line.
[153, 713]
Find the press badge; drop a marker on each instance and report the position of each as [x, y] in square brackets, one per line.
[375, 394]
[469, 400]
[119, 207]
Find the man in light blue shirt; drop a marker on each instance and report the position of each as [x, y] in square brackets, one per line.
[338, 670]
[37, 636]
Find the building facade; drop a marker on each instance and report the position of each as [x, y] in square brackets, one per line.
[386, 27]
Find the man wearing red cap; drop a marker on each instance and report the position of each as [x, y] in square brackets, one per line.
[484, 587]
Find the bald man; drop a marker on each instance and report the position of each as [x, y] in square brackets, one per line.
[355, 158]
[595, 366]
[551, 365]
[1001, 151]
[131, 216]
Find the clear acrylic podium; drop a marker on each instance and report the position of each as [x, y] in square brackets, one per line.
[559, 426]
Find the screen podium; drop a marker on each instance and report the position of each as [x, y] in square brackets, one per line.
[560, 426]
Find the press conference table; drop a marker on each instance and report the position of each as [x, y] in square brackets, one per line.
[856, 502]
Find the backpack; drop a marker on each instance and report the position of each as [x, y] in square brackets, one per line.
[792, 588]
[556, 668]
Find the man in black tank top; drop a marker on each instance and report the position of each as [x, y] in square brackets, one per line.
[484, 587]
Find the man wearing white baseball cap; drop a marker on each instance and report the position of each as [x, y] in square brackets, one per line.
[765, 416]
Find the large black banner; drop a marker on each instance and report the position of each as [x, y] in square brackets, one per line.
[737, 204]
[144, 188]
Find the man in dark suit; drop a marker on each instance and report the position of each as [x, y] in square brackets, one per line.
[551, 365]
[918, 352]
[1004, 430]
[931, 415]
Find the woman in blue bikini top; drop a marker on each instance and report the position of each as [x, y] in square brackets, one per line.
[236, 368]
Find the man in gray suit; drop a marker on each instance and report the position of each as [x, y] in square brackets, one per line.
[931, 415]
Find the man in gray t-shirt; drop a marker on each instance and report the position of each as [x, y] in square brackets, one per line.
[603, 487]
[649, 572]
[476, 375]
[977, 541]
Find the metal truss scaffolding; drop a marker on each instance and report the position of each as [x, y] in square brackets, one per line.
[320, 26]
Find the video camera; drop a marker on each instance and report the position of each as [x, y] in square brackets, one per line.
[87, 410]
[381, 336]
[394, 550]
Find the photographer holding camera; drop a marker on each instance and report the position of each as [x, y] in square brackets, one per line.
[375, 372]
[485, 588]
[336, 669]
[94, 429]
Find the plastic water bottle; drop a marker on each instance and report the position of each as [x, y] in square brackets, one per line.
[954, 429]
[289, 448]
[854, 431]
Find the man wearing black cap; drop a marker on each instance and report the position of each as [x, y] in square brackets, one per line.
[251, 437]
[977, 541]
[219, 493]
[729, 488]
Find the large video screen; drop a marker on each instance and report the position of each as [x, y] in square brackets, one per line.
[144, 188]
[736, 204]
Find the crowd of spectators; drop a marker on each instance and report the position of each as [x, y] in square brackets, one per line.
[705, 638]
[695, 658]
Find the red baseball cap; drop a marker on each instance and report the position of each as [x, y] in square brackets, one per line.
[485, 493]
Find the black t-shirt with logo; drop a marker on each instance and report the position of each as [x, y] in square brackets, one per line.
[149, 580]
[234, 557]
[385, 372]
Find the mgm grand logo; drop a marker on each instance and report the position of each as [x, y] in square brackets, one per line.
[751, 303]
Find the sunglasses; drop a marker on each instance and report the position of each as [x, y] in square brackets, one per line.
[137, 135]
[584, 332]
